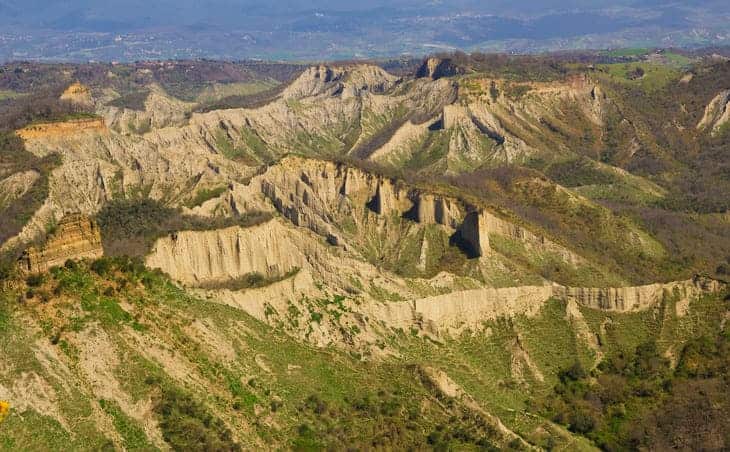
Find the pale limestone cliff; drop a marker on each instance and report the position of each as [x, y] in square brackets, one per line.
[478, 226]
[178, 156]
[402, 144]
[76, 237]
[632, 299]
[432, 209]
[349, 81]
[198, 257]
[450, 313]
[469, 309]
[456, 311]
[717, 113]
[522, 121]
[313, 193]
[160, 111]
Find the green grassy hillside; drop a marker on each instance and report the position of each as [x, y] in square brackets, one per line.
[123, 358]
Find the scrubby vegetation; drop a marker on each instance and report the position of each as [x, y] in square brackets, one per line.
[133, 101]
[252, 100]
[41, 105]
[391, 419]
[13, 159]
[130, 226]
[249, 281]
[637, 401]
[279, 391]
[188, 426]
[204, 194]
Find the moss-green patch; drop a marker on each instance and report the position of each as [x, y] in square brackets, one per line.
[648, 76]
[7, 94]
[550, 265]
[205, 194]
[552, 327]
[225, 145]
[33, 431]
[433, 149]
[256, 146]
[623, 332]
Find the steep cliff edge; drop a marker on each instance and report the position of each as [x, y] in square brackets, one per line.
[320, 195]
[717, 113]
[436, 68]
[63, 128]
[459, 310]
[196, 258]
[159, 110]
[76, 237]
[633, 299]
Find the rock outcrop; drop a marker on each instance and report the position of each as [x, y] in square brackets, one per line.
[76, 237]
[632, 299]
[311, 193]
[717, 113]
[78, 94]
[62, 128]
[159, 111]
[199, 257]
[16, 185]
[436, 68]
[479, 225]
[470, 308]
[347, 81]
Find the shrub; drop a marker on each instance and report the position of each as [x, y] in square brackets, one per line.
[574, 373]
[187, 425]
[582, 422]
[129, 227]
[723, 269]
[34, 280]
[102, 266]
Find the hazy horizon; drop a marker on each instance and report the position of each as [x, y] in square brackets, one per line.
[82, 30]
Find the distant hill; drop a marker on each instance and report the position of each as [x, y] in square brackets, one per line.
[325, 29]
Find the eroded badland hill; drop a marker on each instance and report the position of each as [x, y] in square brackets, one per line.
[487, 254]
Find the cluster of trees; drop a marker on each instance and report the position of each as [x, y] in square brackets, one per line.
[187, 424]
[638, 401]
[130, 226]
[43, 104]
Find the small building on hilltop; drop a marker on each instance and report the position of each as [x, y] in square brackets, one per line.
[76, 237]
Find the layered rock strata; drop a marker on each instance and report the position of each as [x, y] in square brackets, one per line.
[70, 127]
[76, 237]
